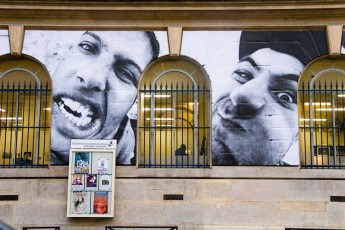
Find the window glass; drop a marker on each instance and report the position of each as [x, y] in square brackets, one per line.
[322, 116]
[25, 105]
[174, 120]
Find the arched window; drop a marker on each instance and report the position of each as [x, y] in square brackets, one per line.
[174, 114]
[25, 105]
[322, 114]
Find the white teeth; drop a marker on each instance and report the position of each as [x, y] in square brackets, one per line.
[75, 105]
[84, 110]
[87, 120]
[68, 102]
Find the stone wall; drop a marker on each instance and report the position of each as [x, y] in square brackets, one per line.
[217, 198]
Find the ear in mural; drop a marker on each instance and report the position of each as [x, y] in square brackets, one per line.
[95, 76]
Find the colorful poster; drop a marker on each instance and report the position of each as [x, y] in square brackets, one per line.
[105, 182]
[78, 182]
[102, 165]
[91, 182]
[81, 203]
[100, 203]
[90, 193]
[82, 162]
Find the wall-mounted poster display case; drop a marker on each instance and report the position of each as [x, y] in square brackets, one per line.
[91, 182]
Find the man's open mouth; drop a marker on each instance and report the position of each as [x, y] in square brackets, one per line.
[79, 114]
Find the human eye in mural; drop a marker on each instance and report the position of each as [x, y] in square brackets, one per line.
[256, 122]
[94, 87]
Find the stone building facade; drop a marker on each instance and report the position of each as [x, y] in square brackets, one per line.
[226, 183]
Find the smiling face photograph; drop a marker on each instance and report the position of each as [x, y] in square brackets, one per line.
[95, 76]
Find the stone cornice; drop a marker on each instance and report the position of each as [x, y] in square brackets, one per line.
[226, 14]
[232, 5]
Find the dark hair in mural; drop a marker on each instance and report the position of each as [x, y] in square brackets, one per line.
[303, 45]
[255, 122]
[154, 44]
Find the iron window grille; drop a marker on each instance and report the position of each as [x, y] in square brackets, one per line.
[322, 121]
[25, 106]
[174, 120]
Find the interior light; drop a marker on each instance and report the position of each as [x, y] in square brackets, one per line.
[159, 109]
[157, 95]
[10, 118]
[48, 109]
[2, 110]
[341, 95]
[161, 119]
[315, 119]
[318, 103]
[330, 109]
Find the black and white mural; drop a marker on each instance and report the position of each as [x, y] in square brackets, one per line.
[4, 42]
[254, 78]
[95, 76]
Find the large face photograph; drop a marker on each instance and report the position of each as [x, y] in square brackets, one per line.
[254, 80]
[254, 91]
[95, 76]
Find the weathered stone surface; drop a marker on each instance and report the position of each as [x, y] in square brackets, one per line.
[314, 206]
[218, 190]
[130, 189]
[7, 211]
[297, 218]
[333, 217]
[209, 203]
[260, 190]
[310, 190]
[40, 213]
[251, 213]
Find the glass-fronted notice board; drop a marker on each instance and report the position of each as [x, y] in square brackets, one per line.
[91, 183]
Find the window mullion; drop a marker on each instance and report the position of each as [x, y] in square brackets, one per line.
[152, 126]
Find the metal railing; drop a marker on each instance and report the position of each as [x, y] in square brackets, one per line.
[34, 228]
[25, 124]
[314, 229]
[322, 125]
[174, 130]
[141, 227]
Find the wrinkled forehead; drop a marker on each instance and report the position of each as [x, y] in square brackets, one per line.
[277, 62]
